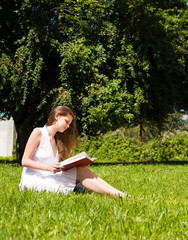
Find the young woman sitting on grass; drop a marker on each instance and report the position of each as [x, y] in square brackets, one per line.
[48, 146]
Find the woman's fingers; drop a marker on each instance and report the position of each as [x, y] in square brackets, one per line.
[56, 167]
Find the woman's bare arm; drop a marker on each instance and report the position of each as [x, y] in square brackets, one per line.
[31, 146]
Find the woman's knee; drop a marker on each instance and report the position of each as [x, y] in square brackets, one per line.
[83, 173]
[80, 172]
[81, 169]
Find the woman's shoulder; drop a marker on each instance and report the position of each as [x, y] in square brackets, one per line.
[35, 138]
[40, 134]
[37, 131]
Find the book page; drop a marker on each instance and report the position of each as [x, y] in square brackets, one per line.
[75, 158]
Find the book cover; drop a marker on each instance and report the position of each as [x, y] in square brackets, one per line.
[81, 159]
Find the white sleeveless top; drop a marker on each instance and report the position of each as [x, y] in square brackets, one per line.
[40, 180]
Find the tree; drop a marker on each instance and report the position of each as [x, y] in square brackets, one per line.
[29, 63]
[115, 62]
[88, 76]
[121, 61]
[176, 20]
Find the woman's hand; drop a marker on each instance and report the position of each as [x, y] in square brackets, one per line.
[54, 167]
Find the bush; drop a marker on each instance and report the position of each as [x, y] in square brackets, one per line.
[113, 148]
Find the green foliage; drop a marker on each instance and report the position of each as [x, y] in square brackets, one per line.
[117, 63]
[112, 147]
[91, 94]
[161, 214]
[29, 61]
[28, 72]
[23, 73]
[134, 71]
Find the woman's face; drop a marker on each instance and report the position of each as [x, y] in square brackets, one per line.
[63, 122]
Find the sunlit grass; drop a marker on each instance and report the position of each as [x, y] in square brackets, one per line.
[161, 214]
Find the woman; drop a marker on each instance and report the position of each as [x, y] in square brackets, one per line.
[48, 146]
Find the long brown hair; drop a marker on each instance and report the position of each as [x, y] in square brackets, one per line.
[65, 141]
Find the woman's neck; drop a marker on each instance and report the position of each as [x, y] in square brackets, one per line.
[51, 130]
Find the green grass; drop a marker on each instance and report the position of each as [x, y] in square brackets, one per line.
[161, 214]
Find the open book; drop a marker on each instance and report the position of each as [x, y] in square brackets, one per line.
[81, 159]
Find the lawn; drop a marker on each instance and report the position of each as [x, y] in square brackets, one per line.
[161, 214]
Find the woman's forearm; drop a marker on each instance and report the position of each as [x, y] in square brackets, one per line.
[26, 162]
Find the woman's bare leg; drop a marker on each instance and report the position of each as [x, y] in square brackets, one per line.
[95, 184]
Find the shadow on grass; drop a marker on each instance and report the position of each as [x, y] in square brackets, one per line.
[8, 161]
[172, 162]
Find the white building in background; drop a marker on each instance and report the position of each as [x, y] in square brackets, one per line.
[7, 136]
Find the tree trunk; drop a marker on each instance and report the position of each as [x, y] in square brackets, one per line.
[141, 131]
[22, 137]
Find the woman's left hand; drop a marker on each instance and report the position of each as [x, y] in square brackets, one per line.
[56, 167]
